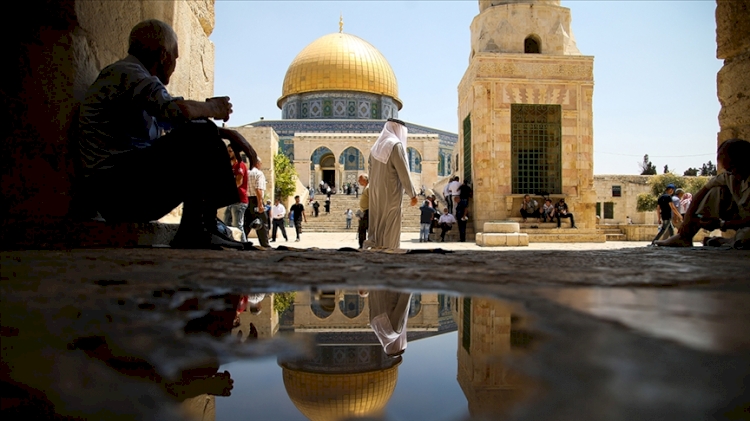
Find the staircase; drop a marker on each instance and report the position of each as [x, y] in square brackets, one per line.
[612, 232]
[336, 220]
[547, 232]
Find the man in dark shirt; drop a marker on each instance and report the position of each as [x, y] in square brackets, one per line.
[665, 211]
[561, 212]
[123, 148]
[299, 215]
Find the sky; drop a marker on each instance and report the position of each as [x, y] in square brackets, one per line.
[654, 66]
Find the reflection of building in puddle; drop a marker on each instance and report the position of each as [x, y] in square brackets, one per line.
[488, 332]
[347, 310]
[705, 320]
[349, 375]
[342, 381]
[258, 319]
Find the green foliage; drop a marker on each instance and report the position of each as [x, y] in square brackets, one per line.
[693, 184]
[645, 202]
[283, 300]
[690, 172]
[708, 169]
[659, 182]
[285, 176]
[647, 167]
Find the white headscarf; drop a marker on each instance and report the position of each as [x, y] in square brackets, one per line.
[392, 134]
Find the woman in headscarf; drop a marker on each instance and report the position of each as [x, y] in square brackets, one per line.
[389, 178]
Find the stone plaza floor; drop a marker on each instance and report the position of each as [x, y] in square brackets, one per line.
[615, 331]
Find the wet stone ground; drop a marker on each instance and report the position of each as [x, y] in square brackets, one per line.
[625, 334]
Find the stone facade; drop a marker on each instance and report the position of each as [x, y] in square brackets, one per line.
[310, 171]
[624, 205]
[733, 80]
[58, 53]
[500, 75]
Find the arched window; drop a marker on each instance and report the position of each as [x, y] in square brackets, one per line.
[415, 160]
[531, 45]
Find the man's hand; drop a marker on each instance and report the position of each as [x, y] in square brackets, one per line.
[239, 144]
[414, 201]
[221, 107]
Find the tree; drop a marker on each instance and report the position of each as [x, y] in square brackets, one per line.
[690, 172]
[285, 176]
[666, 169]
[708, 169]
[283, 300]
[647, 167]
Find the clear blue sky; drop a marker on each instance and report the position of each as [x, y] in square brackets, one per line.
[654, 68]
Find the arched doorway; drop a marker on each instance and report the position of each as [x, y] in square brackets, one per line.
[323, 167]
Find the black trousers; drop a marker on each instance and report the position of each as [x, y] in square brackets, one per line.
[145, 184]
[445, 228]
[364, 224]
[567, 215]
[278, 223]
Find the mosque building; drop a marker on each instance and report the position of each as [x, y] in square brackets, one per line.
[337, 93]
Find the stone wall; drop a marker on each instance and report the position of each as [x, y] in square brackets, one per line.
[305, 144]
[733, 80]
[625, 205]
[56, 51]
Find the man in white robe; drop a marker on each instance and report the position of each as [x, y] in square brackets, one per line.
[389, 312]
[389, 178]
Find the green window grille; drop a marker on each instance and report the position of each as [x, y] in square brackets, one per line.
[609, 210]
[616, 191]
[466, 337]
[536, 147]
[467, 149]
[598, 209]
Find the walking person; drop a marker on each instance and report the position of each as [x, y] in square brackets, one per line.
[666, 210]
[234, 215]
[327, 204]
[349, 214]
[464, 193]
[426, 213]
[256, 216]
[298, 210]
[389, 179]
[364, 206]
[447, 196]
[278, 211]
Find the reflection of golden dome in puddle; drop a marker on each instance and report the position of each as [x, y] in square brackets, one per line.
[340, 62]
[336, 396]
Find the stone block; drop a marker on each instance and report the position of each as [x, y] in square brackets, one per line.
[523, 239]
[512, 240]
[732, 28]
[501, 227]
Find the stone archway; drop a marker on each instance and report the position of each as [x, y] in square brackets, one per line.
[323, 167]
[352, 162]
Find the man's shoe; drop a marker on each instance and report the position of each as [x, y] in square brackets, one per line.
[296, 240]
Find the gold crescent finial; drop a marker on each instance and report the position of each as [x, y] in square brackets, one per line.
[341, 23]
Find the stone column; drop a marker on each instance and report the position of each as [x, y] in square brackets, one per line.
[733, 80]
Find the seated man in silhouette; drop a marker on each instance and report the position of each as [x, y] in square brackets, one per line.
[723, 203]
[144, 151]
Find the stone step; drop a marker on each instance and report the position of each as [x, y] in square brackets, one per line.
[616, 237]
[495, 239]
[563, 230]
[567, 238]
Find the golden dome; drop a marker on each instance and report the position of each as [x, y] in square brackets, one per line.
[337, 396]
[340, 62]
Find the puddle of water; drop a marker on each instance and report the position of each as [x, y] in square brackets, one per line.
[375, 354]
[714, 321]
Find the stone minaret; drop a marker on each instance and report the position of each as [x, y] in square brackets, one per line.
[525, 113]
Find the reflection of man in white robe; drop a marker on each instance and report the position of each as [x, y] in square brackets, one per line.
[389, 177]
[389, 312]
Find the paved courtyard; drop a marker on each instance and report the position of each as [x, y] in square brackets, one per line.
[622, 331]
